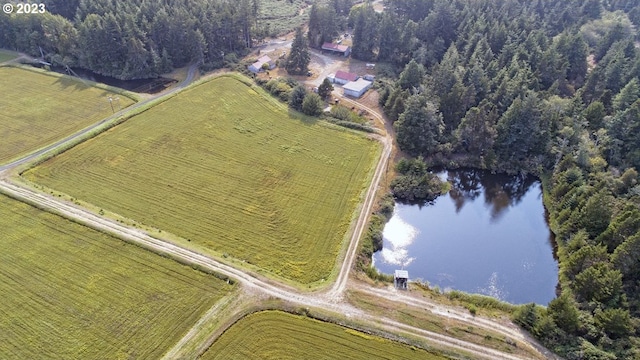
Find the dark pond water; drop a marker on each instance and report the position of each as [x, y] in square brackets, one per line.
[488, 235]
[149, 86]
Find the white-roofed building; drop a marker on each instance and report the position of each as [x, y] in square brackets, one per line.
[357, 88]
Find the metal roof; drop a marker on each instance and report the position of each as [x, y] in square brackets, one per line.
[357, 86]
[334, 47]
[402, 274]
[265, 59]
[346, 75]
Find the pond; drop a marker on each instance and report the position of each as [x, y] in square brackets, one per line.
[488, 235]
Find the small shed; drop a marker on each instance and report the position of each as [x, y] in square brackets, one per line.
[401, 279]
[369, 77]
[256, 67]
[343, 77]
[357, 88]
[343, 50]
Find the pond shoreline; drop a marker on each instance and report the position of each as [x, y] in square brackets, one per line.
[499, 234]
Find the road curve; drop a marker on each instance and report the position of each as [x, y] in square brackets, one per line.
[32, 156]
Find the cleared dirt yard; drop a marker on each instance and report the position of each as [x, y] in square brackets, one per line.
[228, 168]
[69, 292]
[280, 335]
[38, 108]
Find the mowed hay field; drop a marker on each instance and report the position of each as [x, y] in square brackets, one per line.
[38, 108]
[280, 335]
[69, 292]
[230, 170]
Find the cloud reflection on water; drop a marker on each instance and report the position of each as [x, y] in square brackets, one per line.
[400, 235]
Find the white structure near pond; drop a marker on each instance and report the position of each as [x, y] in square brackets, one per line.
[357, 88]
[401, 279]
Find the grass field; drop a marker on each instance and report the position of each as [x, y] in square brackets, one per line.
[69, 292]
[6, 56]
[280, 335]
[39, 108]
[283, 16]
[229, 170]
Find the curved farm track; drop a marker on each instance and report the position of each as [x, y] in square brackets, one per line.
[331, 299]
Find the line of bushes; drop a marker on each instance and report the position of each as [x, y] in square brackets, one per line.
[350, 125]
[298, 98]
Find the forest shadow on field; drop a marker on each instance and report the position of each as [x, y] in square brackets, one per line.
[304, 119]
[65, 82]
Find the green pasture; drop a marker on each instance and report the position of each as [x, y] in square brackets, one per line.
[283, 16]
[229, 169]
[69, 292]
[6, 56]
[39, 108]
[280, 335]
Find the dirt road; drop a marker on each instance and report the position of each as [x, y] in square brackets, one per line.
[340, 285]
[330, 303]
[323, 65]
[330, 299]
[190, 76]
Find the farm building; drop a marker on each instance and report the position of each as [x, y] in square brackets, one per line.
[401, 279]
[343, 77]
[357, 88]
[343, 50]
[256, 67]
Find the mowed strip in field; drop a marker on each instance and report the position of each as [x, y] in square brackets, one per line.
[69, 292]
[280, 335]
[38, 108]
[229, 169]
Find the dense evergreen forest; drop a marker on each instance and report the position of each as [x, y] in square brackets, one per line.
[130, 39]
[544, 87]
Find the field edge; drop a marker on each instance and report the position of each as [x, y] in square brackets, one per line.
[172, 238]
[329, 318]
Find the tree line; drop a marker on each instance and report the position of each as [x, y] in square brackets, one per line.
[130, 39]
[544, 87]
[325, 21]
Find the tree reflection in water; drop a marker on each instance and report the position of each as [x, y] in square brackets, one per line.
[500, 191]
